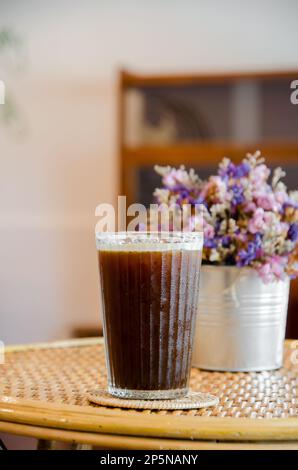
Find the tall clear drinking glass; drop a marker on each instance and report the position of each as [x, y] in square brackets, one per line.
[150, 288]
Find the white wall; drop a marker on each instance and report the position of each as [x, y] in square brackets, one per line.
[65, 161]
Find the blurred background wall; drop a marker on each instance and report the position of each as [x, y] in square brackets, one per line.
[60, 159]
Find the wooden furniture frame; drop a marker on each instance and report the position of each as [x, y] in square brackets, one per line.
[192, 154]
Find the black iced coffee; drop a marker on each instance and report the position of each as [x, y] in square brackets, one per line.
[150, 286]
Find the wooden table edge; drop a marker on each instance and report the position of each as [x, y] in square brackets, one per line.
[114, 421]
[124, 442]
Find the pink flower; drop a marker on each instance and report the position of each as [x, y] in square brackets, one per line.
[257, 223]
[273, 269]
[170, 179]
[265, 272]
[259, 175]
[266, 201]
[208, 230]
[281, 197]
[278, 264]
[249, 206]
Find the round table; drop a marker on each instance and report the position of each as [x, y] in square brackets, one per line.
[43, 394]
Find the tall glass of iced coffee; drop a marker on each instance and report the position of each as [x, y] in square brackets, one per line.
[150, 288]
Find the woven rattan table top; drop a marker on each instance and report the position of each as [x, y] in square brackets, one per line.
[46, 385]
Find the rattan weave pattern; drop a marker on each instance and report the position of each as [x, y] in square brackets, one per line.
[62, 375]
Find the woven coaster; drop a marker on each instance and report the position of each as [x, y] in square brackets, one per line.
[192, 400]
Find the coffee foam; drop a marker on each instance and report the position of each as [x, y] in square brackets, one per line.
[139, 242]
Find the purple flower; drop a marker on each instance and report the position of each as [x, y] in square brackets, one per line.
[178, 188]
[241, 170]
[237, 195]
[227, 172]
[245, 257]
[217, 225]
[258, 241]
[209, 243]
[183, 194]
[226, 241]
[293, 232]
[200, 200]
[253, 251]
[234, 171]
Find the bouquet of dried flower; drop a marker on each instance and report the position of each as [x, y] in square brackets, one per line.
[249, 219]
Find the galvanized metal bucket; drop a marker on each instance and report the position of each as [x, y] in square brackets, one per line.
[241, 321]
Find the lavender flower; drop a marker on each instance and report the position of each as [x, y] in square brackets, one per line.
[238, 196]
[242, 170]
[210, 243]
[226, 241]
[293, 232]
[229, 170]
[252, 251]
